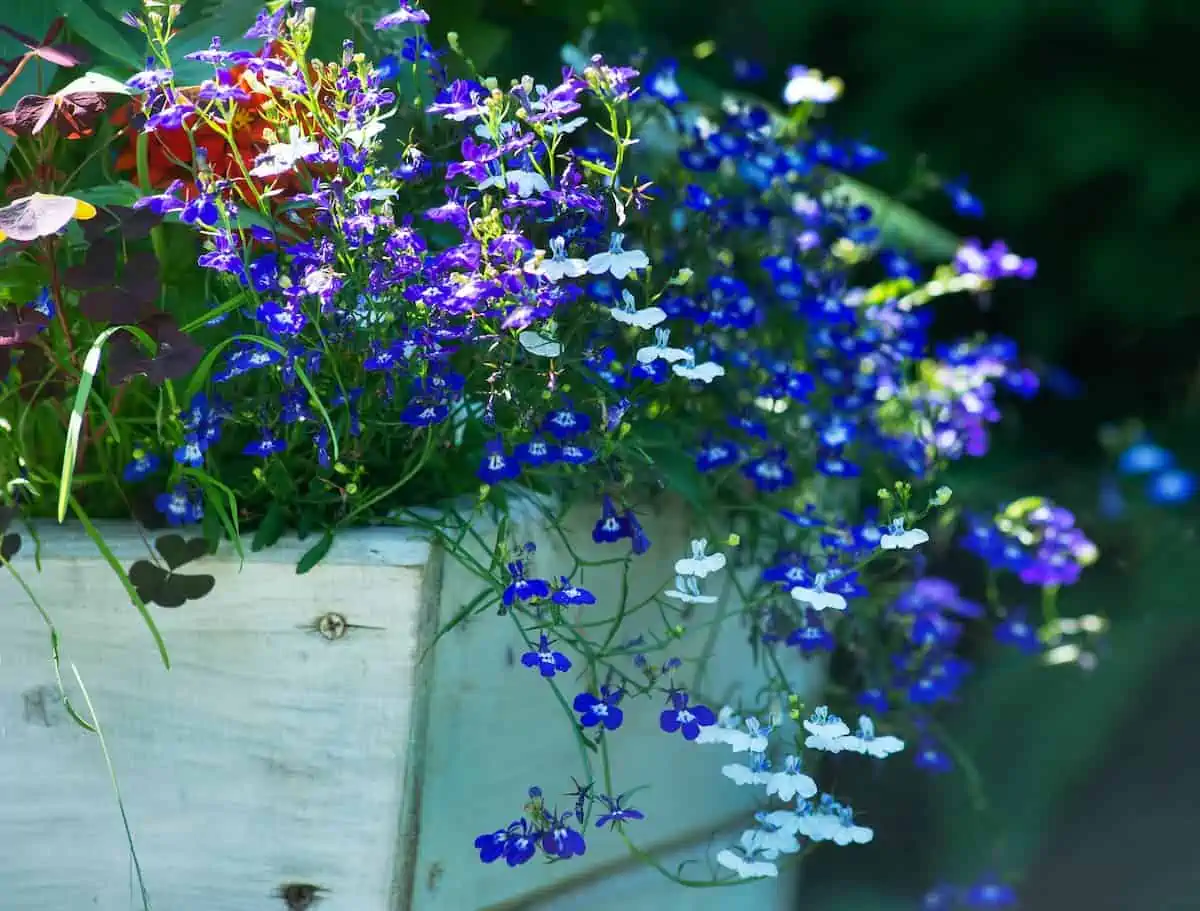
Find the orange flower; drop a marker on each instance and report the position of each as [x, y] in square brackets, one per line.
[170, 153]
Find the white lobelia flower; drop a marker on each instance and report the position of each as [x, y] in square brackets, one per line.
[809, 85]
[791, 782]
[281, 157]
[816, 597]
[825, 730]
[770, 839]
[847, 832]
[616, 260]
[704, 373]
[523, 183]
[721, 732]
[899, 539]
[746, 867]
[559, 265]
[864, 741]
[536, 343]
[687, 590]
[626, 312]
[700, 564]
[820, 822]
[789, 821]
[660, 350]
[753, 739]
[758, 772]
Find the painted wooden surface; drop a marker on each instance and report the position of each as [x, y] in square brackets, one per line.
[270, 755]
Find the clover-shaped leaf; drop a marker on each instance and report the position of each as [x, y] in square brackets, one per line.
[9, 546]
[177, 552]
[163, 585]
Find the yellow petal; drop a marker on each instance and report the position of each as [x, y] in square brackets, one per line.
[84, 210]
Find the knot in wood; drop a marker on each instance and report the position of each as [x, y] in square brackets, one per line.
[332, 626]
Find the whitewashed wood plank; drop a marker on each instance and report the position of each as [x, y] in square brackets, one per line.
[267, 755]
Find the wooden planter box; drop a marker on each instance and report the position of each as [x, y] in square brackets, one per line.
[298, 740]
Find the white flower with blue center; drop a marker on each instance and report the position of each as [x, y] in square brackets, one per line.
[753, 739]
[661, 350]
[701, 563]
[627, 312]
[724, 730]
[816, 597]
[791, 782]
[523, 183]
[616, 260]
[864, 741]
[809, 85]
[281, 157]
[847, 832]
[687, 590]
[690, 370]
[758, 772]
[825, 730]
[745, 865]
[559, 265]
[897, 538]
[770, 840]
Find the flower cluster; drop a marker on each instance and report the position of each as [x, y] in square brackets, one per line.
[480, 294]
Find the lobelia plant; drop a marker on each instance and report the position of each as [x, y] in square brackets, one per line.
[474, 296]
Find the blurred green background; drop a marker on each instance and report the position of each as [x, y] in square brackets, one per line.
[1079, 128]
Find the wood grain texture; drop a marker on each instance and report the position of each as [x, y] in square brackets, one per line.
[267, 755]
[496, 729]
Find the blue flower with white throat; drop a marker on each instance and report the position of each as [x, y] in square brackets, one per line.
[816, 596]
[864, 741]
[616, 260]
[685, 718]
[790, 782]
[701, 563]
[703, 373]
[559, 265]
[899, 538]
[825, 730]
[661, 350]
[546, 659]
[627, 313]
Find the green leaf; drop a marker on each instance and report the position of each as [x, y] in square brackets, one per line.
[315, 554]
[222, 501]
[122, 193]
[101, 31]
[115, 565]
[91, 364]
[270, 529]
[899, 225]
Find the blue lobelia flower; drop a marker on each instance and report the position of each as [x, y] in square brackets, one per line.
[687, 719]
[545, 659]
